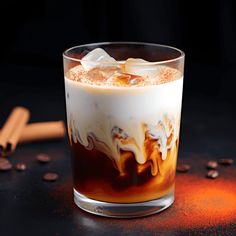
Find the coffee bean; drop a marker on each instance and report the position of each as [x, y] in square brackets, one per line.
[20, 166]
[5, 164]
[212, 174]
[50, 176]
[43, 158]
[226, 161]
[183, 168]
[212, 165]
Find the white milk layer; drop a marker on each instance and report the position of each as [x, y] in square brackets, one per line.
[112, 119]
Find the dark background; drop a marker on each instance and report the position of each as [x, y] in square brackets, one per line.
[35, 33]
[33, 36]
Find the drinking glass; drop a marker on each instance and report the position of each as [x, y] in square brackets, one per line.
[124, 135]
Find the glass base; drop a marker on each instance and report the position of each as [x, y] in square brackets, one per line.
[123, 210]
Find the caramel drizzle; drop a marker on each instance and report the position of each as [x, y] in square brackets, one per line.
[160, 143]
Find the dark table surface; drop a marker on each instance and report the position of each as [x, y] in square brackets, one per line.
[29, 206]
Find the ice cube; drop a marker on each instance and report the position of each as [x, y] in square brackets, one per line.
[96, 57]
[147, 69]
[124, 79]
[101, 74]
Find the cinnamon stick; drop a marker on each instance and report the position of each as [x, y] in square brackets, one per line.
[12, 128]
[43, 131]
[21, 120]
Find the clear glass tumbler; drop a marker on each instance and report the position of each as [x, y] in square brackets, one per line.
[123, 120]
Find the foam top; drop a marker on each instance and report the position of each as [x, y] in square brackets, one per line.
[99, 69]
[115, 77]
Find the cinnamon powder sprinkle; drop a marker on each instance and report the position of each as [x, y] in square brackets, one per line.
[199, 202]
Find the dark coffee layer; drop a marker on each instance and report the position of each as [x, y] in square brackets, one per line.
[96, 177]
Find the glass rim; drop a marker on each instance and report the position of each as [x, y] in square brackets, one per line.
[181, 56]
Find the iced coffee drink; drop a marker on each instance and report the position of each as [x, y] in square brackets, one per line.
[123, 117]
